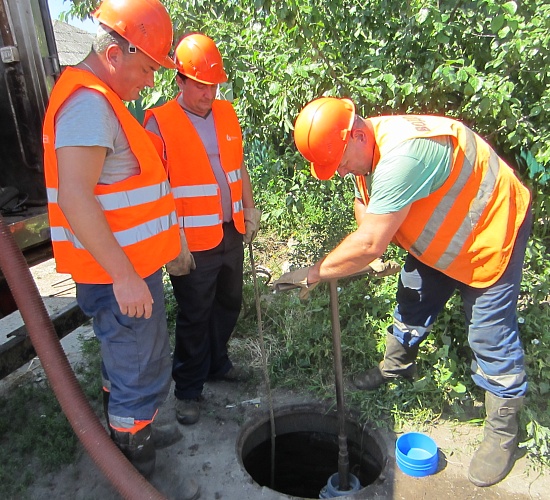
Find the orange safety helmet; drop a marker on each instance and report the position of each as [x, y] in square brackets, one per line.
[198, 58]
[322, 132]
[144, 23]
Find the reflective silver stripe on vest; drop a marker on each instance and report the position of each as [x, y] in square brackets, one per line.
[200, 220]
[234, 175]
[133, 197]
[124, 238]
[124, 199]
[477, 207]
[146, 230]
[52, 195]
[444, 207]
[238, 206]
[195, 191]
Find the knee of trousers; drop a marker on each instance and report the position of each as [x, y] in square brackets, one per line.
[409, 336]
[498, 364]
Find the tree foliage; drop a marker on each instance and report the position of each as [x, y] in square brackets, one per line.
[483, 61]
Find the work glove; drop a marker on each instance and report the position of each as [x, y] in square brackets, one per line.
[380, 268]
[184, 262]
[251, 223]
[298, 278]
[295, 279]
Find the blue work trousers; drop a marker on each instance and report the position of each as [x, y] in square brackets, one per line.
[491, 319]
[135, 352]
[209, 300]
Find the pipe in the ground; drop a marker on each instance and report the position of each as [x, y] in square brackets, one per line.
[343, 457]
[110, 460]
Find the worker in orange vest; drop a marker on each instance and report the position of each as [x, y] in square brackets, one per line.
[112, 217]
[438, 190]
[204, 160]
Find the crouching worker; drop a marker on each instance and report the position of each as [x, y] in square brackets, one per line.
[438, 190]
[112, 217]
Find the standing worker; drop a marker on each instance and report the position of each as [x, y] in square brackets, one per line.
[439, 191]
[112, 215]
[204, 154]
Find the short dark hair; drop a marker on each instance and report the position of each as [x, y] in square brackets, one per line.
[105, 37]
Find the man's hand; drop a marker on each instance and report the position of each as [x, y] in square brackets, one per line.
[296, 279]
[133, 296]
[252, 224]
[184, 262]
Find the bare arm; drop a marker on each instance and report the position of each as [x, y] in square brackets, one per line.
[79, 170]
[359, 248]
[359, 210]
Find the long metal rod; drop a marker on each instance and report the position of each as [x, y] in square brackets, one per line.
[264, 364]
[343, 457]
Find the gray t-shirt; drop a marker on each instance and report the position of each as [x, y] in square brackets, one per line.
[87, 119]
[207, 132]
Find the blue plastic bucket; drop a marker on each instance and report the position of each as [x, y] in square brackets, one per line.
[416, 454]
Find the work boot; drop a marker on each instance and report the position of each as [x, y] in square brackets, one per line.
[187, 411]
[162, 435]
[494, 458]
[138, 448]
[165, 435]
[235, 374]
[399, 361]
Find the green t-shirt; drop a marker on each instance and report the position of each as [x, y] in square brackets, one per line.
[411, 171]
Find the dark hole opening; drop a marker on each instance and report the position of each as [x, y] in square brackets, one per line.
[304, 461]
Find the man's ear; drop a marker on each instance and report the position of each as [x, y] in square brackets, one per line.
[179, 81]
[113, 54]
[358, 135]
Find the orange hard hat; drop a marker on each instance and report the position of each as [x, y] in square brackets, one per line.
[198, 58]
[322, 132]
[144, 23]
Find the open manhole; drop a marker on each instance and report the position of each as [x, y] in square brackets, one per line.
[306, 451]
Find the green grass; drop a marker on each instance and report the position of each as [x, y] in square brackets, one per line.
[35, 435]
[298, 340]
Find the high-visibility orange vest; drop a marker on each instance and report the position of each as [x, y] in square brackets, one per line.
[140, 210]
[467, 228]
[197, 194]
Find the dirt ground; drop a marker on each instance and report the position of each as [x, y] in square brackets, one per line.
[209, 450]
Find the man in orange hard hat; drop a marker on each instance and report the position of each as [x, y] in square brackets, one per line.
[112, 217]
[204, 154]
[438, 190]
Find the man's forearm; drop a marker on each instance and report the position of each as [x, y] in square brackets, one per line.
[92, 230]
[348, 258]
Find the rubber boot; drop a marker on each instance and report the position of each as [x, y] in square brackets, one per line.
[162, 435]
[494, 458]
[138, 448]
[399, 361]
